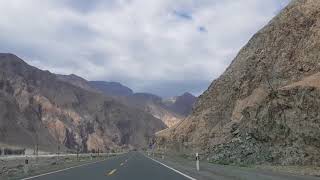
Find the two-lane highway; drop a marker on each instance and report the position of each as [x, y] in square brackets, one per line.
[130, 166]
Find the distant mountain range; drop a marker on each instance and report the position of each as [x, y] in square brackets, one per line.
[67, 111]
[182, 105]
[49, 110]
[170, 111]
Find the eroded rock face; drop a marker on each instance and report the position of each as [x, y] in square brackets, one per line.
[265, 107]
[283, 129]
[51, 112]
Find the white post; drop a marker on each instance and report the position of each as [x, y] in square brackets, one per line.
[58, 154]
[77, 154]
[197, 161]
[26, 166]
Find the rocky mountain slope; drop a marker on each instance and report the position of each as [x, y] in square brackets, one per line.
[39, 108]
[265, 107]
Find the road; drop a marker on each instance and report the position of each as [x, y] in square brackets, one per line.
[136, 166]
[129, 166]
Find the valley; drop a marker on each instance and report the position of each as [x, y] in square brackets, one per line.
[189, 108]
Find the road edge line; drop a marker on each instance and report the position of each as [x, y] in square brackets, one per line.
[53, 172]
[187, 176]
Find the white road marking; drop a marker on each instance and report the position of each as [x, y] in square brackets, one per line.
[61, 170]
[189, 177]
[112, 172]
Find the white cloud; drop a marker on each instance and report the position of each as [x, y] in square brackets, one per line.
[136, 42]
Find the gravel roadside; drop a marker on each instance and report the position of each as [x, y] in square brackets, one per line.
[209, 171]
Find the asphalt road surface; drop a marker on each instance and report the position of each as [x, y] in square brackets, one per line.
[136, 166]
[130, 166]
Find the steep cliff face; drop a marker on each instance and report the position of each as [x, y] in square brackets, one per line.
[265, 107]
[50, 111]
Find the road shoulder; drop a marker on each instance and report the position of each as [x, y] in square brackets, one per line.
[209, 171]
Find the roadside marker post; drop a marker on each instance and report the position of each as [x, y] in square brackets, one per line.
[77, 154]
[58, 154]
[197, 161]
[26, 166]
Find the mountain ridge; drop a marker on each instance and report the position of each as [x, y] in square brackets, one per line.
[150, 103]
[53, 113]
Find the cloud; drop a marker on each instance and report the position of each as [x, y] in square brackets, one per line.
[161, 46]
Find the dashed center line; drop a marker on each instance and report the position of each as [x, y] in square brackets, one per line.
[115, 170]
[112, 172]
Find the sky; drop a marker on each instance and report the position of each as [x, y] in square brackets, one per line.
[165, 47]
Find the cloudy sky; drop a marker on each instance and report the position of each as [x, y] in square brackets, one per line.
[166, 47]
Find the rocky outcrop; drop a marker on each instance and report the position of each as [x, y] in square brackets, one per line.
[40, 108]
[265, 107]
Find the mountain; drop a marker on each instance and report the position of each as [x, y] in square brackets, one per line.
[111, 88]
[169, 113]
[265, 107]
[153, 104]
[37, 107]
[181, 104]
